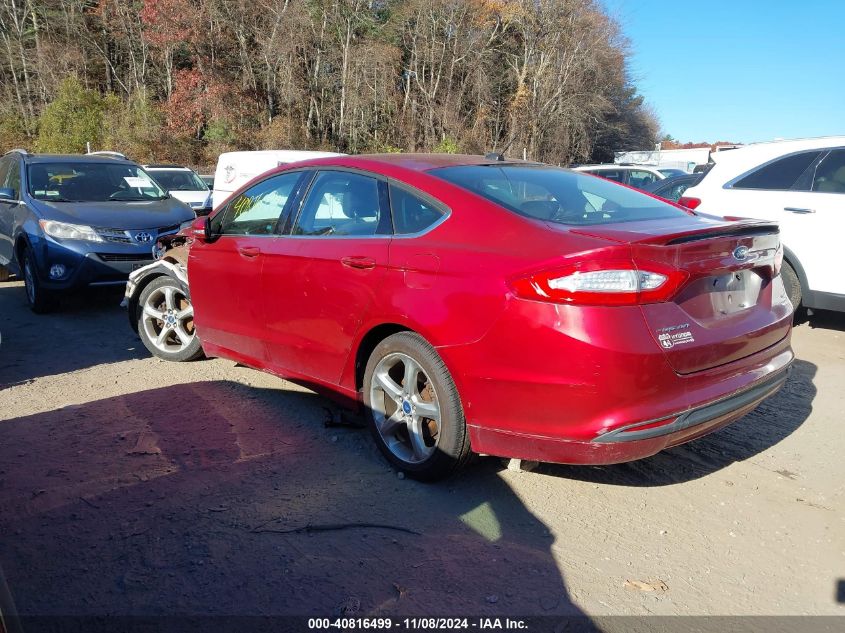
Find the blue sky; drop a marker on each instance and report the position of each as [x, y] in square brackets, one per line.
[741, 70]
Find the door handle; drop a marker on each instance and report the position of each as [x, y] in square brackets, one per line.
[358, 261]
[798, 210]
[249, 251]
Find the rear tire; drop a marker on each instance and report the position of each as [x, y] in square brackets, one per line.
[166, 321]
[405, 379]
[791, 284]
[40, 300]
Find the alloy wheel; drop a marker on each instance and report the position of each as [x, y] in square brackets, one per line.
[168, 319]
[405, 408]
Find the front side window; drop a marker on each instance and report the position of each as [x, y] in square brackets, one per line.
[557, 195]
[257, 210]
[178, 180]
[342, 204]
[779, 175]
[13, 179]
[411, 214]
[830, 174]
[92, 182]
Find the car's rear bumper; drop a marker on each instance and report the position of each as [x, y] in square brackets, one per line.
[634, 441]
[568, 384]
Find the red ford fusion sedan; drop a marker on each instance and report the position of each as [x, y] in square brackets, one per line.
[481, 305]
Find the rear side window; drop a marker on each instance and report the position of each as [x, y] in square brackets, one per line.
[640, 179]
[779, 175]
[411, 214]
[557, 195]
[611, 174]
[830, 174]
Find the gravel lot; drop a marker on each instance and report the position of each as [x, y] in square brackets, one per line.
[133, 486]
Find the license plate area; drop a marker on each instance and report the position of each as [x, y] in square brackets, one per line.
[735, 291]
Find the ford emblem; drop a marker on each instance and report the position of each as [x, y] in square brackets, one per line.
[741, 253]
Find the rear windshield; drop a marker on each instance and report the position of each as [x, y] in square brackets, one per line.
[91, 182]
[178, 180]
[557, 195]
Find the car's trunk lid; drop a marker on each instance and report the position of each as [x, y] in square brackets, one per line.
[730, 307]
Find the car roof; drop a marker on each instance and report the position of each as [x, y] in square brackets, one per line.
[415, 162]
[169, 167]
[34, 159]
[759, 152]
[630, 166]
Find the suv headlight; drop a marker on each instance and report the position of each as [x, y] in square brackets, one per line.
[65, 231]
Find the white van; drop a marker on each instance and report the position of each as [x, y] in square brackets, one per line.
[237, 168]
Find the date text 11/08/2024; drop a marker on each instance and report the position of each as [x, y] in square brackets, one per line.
[417, 624]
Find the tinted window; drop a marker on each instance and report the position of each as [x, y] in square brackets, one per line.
[4, 168]
[639, 179]
[257, 210]
[611, 174]
[340, 203]
[410, 213]
[557, 195]
[779, 175]
[13, 178]
[92, 182]
[178, 180]
[830, 174]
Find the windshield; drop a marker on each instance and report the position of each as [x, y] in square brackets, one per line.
[557, 195]
[91, 182]
[178, 180]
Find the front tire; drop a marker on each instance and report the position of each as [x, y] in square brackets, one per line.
[40, 300]
[166, 321]
[413, 408]
[791, 284]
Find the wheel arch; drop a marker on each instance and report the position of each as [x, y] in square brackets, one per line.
[162, 268]
[21, 243]
[367, 344]
[790, 258]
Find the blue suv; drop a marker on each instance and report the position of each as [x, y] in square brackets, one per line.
[68, 222]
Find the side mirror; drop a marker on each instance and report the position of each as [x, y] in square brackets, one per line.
[201, 229]
[7, 193]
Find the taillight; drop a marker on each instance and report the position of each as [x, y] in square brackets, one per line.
[689, 203]
[602, 283]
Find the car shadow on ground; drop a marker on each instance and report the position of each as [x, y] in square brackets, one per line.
[35, 345]
[824, 319]
[213, 498]
[771, 422]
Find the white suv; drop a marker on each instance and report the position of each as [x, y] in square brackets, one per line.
[637, 176]
[801, 185]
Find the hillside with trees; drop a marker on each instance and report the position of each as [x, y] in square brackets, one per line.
[183, 80]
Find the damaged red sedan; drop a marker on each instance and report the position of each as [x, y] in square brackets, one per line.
[481, 305]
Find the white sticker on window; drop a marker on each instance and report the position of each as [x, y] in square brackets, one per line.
[134, 181]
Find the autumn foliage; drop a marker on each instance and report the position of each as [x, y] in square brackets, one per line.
[542, 78]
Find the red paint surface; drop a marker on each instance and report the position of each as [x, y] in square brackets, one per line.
[537, 380]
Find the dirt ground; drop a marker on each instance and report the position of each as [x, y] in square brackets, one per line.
[133, 486]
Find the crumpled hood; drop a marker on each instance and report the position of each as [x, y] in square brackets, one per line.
[146, 214]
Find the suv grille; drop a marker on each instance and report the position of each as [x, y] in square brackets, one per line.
[133, 257]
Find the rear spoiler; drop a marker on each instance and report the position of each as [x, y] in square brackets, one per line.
[739, 229]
